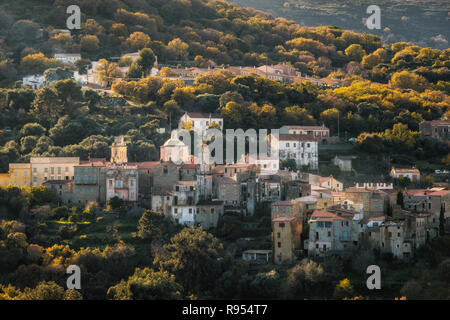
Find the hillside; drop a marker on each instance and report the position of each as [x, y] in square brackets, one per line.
[425, 23]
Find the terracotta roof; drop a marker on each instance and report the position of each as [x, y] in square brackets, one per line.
[283, 219]
[306, 127]
[189, 165]
[426, 192]
[284, 203]
[406, 170]
[325, 215]
[438, 122]
[148, 164]
[296, 137]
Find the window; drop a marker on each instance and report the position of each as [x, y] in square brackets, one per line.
[279, 244]
[165, 171]
[190, 210]
[110, 183]
[278, 235]
[175, 210]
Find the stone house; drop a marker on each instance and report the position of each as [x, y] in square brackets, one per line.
[286, 235]
[333, 231]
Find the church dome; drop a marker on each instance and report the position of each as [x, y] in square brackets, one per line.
[173, 142]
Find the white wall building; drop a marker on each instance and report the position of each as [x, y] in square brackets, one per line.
[67, 57]
[34, 81]
[300, 147]
[200, 122]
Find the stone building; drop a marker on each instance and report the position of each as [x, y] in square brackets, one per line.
[185, 193]
[286, 240]
[228, 191]
[52, 168]
[63, 188]
[321, 133]
[295, 189]
[374, 202]
[343, 162]
[331, 183]
[205, 214]
[89, 184]
[437, 129]
[289, 208]
[333, 231]
[19, 175]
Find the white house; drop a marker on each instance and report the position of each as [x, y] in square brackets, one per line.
[300, 147]
[200, 122]
[67, 57]
[34, 81]
[413, 174]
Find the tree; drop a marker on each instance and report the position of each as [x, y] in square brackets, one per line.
[152, 226]
[408, 80]
[146, 60]
[89, 43]
[115, 203]
[147, 284]
[138, 40]
[343, 290]
[288, 164]
[107, 72]
[355, 52]
[305, 279]
[46, 107]
[193, 256]
[37, 63]
[178, 49]
[400, 199]
[442, 221]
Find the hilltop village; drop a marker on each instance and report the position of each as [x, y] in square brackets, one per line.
[191, 191]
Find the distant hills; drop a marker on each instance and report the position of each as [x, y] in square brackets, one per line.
[426, 23]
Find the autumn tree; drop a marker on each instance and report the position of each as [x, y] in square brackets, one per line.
[193, 257]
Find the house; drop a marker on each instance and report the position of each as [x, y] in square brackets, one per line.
[437, 129]
[63, 188]
[269, 190]
[343, 162]
[67, 57]
[300, 147]
[321, 133]
[89, 184]
[428, 201]
[374, 202]
[19, 175]
[52, 168]
[286, 240]
[200, 122]
[185, 193]
[33, 81]
[296, 189]
[412, 173]
[333, 231]
[331, 183]
[227, 190]
[257, 256]
[288, 208]
[205, 214]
